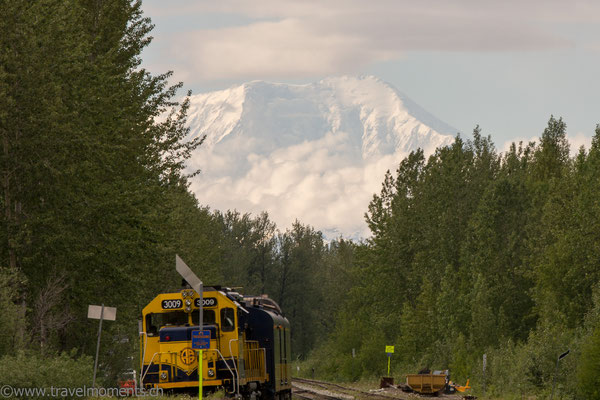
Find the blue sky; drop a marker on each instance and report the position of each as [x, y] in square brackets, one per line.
[506, 66]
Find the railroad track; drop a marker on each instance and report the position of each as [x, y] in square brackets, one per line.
[311, 389]
[331, 390]
[309, 395]
[316, 391]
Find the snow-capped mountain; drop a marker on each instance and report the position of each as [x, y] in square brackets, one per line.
[314, 152]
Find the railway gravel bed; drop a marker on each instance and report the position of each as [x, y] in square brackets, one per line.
[311, 389]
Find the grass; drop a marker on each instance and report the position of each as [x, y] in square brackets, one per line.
[218, 395]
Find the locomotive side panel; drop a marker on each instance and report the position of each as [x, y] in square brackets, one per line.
[272, 332]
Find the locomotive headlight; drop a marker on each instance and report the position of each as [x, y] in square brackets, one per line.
[184, 294]
[188, 302]
[211, 372]
[188, 309]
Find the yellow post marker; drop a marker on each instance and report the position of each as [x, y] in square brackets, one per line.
[389, 359]
[389, 350]
[200, 362]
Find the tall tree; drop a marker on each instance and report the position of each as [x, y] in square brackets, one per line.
[92, 147]
[301, 253]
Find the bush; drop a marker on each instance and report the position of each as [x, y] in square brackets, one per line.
[588, 371]
[32, 370]
[12, 315]
[529, 368]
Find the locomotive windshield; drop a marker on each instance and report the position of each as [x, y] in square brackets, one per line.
[156, 321]
[208, 317]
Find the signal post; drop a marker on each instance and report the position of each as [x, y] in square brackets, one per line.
[200, 338]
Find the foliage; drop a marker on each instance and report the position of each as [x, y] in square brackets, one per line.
[12, 314]
[488, 253]
[588, 369]
[94, 194]
[294, 267]
[33, 370]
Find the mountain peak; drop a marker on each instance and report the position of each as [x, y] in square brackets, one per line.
[371, 110]
[316, 152]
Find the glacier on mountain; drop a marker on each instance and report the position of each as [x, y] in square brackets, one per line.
[315, 152]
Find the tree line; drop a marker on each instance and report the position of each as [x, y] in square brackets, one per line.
[478, 252]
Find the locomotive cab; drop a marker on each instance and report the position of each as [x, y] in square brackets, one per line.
[249, 343]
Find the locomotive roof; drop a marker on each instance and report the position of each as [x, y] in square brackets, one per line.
[261, 301]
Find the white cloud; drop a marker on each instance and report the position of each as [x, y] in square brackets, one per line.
[550, 10]
[518, 140]
[283, 49]
[319, 182]
[595, 46]
[299, 39]
[579, 139]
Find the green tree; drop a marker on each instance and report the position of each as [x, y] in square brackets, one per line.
[93, 151]
[566, 266]
[588, 373]
[494, 255]
[248, 257]
[12, 314]
[301, 253]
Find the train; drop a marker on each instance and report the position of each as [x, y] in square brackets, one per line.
[249, 354]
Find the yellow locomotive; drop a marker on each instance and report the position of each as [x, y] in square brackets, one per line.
[249, 351]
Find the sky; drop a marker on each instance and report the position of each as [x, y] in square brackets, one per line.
[506, 66]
